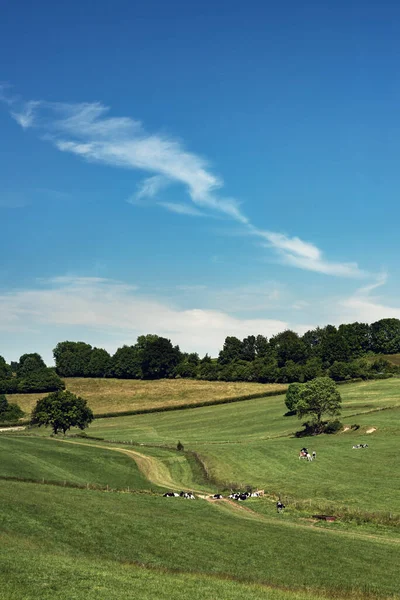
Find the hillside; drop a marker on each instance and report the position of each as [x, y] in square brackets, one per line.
[128, 541]
[120, 395]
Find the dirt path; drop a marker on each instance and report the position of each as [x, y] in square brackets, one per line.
[19, 428]
[153, 469]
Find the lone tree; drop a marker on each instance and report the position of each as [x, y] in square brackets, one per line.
[318, 397]
[293, 396]
[62, 410]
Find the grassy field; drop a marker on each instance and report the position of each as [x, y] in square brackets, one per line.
[112, 545]
[197, 537]
[34, 573]
[39, 458]
[251, 443]
[120, 395]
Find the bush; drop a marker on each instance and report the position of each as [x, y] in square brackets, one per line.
[333, 426]
[9, 412]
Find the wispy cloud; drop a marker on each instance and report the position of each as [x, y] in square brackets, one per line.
[86, 130]
[363, 306]
[182, 209]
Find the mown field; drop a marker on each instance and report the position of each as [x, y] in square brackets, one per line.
[194, 537]
[121, 395]
[114, 544]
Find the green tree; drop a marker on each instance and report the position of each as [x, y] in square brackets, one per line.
[288, 346]
[385, 336]
[159, 358]
[5, 369]
[126, 363]
[358, 338]
[318, 397]
[231, 351]
[30, 363]
[261, 346]
[248, 351]
[99, 363]
[72, 358]
[293, 396]
[62, 410]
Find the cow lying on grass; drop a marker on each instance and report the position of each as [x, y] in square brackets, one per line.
[357, 446]
[187, 495]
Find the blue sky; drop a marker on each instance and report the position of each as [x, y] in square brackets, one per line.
[196, 170]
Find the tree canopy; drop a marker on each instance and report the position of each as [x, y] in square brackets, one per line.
[317, 398]
[62, 410]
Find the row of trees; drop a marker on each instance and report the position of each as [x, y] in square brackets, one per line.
[340, 353]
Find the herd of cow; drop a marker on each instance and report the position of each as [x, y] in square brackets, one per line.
[240, 496]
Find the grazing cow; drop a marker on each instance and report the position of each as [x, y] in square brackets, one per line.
[279, 506]
[314, 455]
[302, 454]
[309, 457]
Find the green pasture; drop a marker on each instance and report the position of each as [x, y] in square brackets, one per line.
[187, 536]
[261, 418]
[39, 458]
[251, 443]
[33, 573]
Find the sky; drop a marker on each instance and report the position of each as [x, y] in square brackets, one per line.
[196, 170]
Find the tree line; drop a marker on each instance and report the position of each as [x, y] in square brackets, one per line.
[341, 353]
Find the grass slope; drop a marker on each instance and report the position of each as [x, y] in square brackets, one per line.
[195, 537]
[37, 458]
[34, 573]
[250, 443]
[119, 395]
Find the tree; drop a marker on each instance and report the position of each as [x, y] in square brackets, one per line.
[72, 358]
[288, 346]
[126, 363]
[62, 410]
[5, 369]
[159, 358]
[318, 397]
[248, 351]
[231, 351]
[293, 396]
[99, 363]
[385, 336]
[30, 363]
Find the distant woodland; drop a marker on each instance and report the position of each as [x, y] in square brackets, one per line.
[346, 352]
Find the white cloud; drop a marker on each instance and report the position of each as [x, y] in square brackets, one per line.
[361, 306]
[111, 308]
[86, 130]
[182, 209]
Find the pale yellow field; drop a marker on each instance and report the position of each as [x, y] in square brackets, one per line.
[118, 395]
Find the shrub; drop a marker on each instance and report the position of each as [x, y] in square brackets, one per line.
[9, 412]
[333, 426]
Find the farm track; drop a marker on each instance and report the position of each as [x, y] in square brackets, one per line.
[157, 473]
